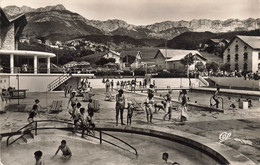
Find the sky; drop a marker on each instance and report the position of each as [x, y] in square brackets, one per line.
[144, 12]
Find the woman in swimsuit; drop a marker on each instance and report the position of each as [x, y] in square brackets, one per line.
[73, 102]
[120, 105]
[148, 107]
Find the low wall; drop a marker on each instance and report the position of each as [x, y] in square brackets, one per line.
[159, 82]
[39, 82]
[34, 83]
[237, 82]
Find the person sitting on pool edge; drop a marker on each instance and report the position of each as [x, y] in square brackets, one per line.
[66, 152]
[165, 157]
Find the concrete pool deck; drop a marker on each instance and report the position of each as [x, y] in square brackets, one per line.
[243, 124]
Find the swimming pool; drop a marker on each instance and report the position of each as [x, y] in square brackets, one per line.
[203, 98]
[89, 151]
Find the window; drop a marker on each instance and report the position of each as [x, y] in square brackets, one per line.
[236, 48]
[245, 47]
[259, 56]
[245, 66]
[236, 67]
[228, 57]
[228, 50]
[236, 57]
[245, 56]
[259, 66]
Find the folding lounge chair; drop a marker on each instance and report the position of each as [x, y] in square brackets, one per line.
[137, 105]
[56, 107]
[87, 96]
[109, 97]
[94, 105]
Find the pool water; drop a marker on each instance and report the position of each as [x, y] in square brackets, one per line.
[89, 151]
[204, 99]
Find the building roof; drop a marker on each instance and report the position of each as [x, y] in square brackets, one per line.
[178, 58]
[19, 21]
[170, 53]
[128, 53]
[27, 53]
[114, 52]
[252, 41]
[146, 53]
[216, 40]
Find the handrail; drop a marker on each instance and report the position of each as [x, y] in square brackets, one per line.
[217, 99]
[120, 141]
[59, 121]
[205, 82]
[58, 79]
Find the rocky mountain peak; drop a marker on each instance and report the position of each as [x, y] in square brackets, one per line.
[59, 7]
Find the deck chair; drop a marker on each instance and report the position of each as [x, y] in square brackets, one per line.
[94, 105]
[109, 97]
[56, 107]
[137, 105]
[87, 96]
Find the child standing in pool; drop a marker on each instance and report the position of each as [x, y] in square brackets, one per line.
[38, 158]
[66, 152]
[165, 157]
[130, 110]
[148, 107]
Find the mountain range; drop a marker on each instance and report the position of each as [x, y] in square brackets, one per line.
[58, 23]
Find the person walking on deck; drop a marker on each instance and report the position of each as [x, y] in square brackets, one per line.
[148, 107]
[168, 108]
[184, 111]
[120, 105]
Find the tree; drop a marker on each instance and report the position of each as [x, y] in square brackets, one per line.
[225, 67]
[187, 61]
[112, 60]
[129, 59]
[212, 66]
[200, 66]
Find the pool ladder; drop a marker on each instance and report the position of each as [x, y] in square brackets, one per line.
[218, 98]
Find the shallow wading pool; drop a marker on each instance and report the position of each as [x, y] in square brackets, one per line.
[90, 151]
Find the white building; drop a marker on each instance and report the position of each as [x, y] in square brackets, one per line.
[170, 59]
[243, 53]
[112, 54]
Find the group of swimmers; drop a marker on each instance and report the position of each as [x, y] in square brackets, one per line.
[77, 113]
[66, 153]
[165, 105]
[150, 106]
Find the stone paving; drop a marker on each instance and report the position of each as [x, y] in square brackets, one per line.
[244, 125]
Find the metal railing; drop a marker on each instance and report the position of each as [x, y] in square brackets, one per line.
[211, 105]
[36, 128]
[62, 78]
